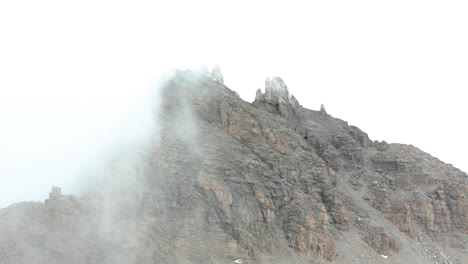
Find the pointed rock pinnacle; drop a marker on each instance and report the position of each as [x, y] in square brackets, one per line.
[216, 74]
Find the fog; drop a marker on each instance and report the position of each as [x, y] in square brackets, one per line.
[79, 80]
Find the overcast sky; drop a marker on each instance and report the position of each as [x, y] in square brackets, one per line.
[75, 76]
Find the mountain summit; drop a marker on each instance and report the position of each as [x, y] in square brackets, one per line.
[227, 181]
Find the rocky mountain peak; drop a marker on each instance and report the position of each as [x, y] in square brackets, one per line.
[216, 74]
[276, 89]
[276, 92]
[228, 181]
[55, 193]
[322, 109]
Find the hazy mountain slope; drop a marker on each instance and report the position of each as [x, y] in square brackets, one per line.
[267, 182]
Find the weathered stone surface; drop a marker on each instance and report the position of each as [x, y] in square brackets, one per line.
[216, 74]
[322, 109]
[55, 193]
[276, 97]
[267, 182]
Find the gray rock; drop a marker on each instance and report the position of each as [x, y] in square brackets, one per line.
[268, 182]
[322, 109]
[216, 74]
[54, 194]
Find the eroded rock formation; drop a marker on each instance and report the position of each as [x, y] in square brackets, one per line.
[267, 182]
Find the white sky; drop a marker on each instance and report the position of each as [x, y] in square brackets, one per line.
[74, 75]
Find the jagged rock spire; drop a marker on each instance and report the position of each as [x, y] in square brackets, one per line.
[276, 92]
[216, 74]
[54, 194]
[322, 109]
[259, 95]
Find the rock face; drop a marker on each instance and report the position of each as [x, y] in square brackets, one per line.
[267, 182]
[55, 193]
[216, 74]
[276, 92]
[322, 109]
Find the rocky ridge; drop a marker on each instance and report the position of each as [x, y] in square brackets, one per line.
[266, 182]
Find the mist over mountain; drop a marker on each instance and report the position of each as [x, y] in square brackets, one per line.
[221, 180]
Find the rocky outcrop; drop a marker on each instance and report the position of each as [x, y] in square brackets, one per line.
[322, 109]
[55, 193]
[268, 182]
[216, 74]
[276, 92]
[276, 98]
